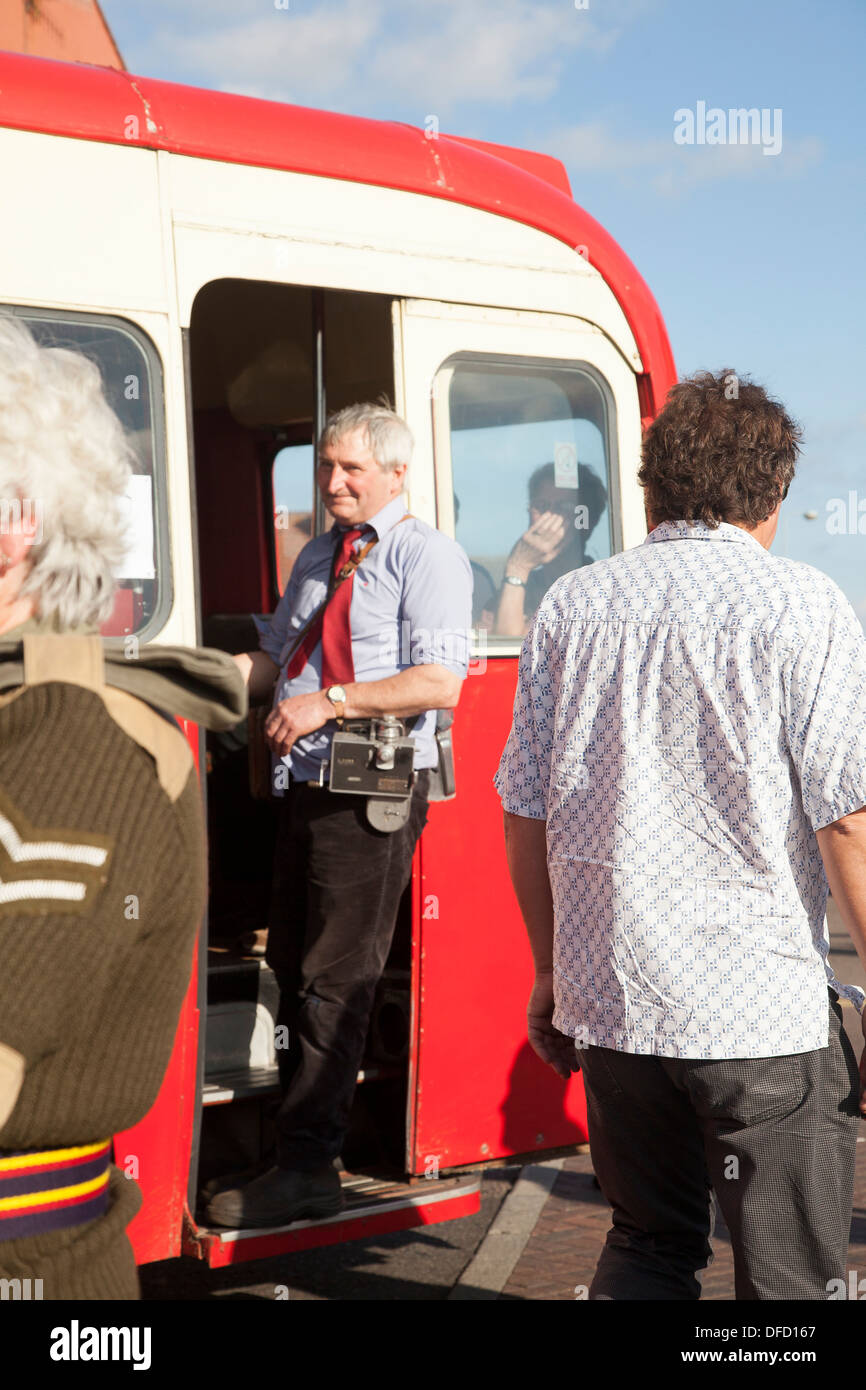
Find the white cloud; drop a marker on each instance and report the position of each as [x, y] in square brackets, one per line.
[348, 54]
[593, 145]
[671, 169]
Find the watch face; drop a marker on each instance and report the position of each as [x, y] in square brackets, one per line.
[336, 692]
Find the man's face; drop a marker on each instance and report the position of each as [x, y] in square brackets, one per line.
[548, 498]
[352, 485]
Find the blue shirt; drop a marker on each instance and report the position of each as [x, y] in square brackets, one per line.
[688, 714]
[411, 605]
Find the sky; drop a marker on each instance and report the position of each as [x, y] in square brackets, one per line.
[753, 250]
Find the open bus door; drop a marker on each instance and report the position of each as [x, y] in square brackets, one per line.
[493, 396]
[265, 361]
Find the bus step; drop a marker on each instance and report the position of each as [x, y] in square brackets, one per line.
[233, 976]
[374, 1207]
[240, 1084]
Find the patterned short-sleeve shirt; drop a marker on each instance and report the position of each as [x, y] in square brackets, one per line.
[688, 714]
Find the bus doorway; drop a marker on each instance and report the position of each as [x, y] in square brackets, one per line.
[266, 361]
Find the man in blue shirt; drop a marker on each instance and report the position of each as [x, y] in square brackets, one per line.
[400, 626]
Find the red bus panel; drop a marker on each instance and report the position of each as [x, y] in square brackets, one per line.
[481, 1092]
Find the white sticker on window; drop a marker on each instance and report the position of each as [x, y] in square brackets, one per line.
[564, 465]
[138, 505]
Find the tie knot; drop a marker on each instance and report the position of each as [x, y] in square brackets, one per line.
[344, 546]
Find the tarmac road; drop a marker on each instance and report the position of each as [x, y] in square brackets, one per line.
[424, 1263]
[556, 1240]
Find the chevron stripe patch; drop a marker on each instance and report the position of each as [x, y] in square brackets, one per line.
[48, 870]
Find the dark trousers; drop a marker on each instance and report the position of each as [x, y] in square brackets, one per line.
[774, 1137]
[337, 889]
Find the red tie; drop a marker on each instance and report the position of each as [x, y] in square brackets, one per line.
[332, 627]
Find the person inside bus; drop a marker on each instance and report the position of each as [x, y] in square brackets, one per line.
[393, 639]
[102, 878]
[483, 587]
[561, 519]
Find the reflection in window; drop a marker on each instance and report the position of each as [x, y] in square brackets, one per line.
[293, 506]
[530, 470]
[133, 390]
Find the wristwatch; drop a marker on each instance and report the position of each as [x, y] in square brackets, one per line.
[337, 696]
[513, 579]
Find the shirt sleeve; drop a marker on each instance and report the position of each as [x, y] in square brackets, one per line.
[824, 711]
[437, 604]
[273, 630]
[523, 776]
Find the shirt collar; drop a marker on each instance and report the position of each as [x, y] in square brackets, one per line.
[701, 531]
[386, 517]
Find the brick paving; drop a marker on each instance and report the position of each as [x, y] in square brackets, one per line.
[565, 1244]
[564, 1247]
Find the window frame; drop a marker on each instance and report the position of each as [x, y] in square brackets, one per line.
[161, 525]
[275, 447]
[484, 643]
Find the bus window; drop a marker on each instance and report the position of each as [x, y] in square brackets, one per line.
[292, 480]
[531, 480]
[132, 379]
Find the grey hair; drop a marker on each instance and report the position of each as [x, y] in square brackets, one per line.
[386, 434]
[65, 456]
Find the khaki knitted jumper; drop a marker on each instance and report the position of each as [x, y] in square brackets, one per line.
[91, 989]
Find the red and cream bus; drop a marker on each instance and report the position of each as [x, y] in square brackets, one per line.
[237, 268]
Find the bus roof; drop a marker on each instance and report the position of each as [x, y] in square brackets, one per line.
[85, 102]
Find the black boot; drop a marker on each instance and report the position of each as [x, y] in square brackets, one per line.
[278, 1197]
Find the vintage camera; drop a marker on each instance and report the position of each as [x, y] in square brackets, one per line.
[373, 758]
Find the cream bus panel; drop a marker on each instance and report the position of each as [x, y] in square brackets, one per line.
[80, 224]
[263, 224]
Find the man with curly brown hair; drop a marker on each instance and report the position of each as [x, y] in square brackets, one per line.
[685, 772]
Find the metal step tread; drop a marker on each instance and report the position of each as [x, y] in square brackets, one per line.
[223, 960]
[222, 1087]
[365, 1196]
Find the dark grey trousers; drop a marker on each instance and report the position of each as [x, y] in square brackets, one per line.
[774, 1137]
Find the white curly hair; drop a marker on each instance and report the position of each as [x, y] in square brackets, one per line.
[65, 456]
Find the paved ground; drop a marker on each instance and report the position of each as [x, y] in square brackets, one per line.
[563, 1249]
[562, 1252]
[537, 1236]
[413, 1265]
[556, 1253]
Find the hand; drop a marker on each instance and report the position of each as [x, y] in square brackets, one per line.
[538, 545]
[553, 1047]
[291, 719]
